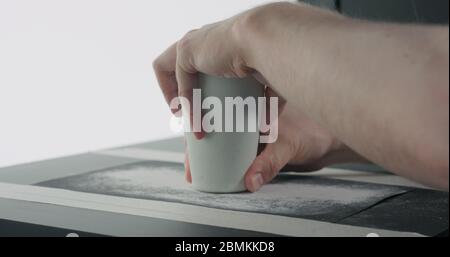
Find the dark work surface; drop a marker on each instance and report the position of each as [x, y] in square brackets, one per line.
[421, 211]
[297, 204]
[404, 209]
[9, 228]
[425, 211]
[47, 220]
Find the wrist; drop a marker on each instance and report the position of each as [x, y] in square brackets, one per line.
[341, 153]
[276, 28]
[253, 29]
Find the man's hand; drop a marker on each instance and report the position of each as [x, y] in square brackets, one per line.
[212, 49]
[301, 144]
[350, 76]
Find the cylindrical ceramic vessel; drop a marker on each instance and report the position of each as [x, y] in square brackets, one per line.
[219, 161]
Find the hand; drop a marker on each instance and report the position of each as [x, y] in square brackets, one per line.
[212, 50]
[301, 144]
[215, 49]
[337, 70]
[227, 48]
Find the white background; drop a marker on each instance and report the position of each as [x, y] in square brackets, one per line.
[76, 76]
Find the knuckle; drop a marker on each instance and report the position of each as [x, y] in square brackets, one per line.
[185, 59]
[183, 46]
[240, 67]
[156, 64]
[185, 43]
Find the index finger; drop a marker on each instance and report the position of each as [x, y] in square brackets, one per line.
[164, 67]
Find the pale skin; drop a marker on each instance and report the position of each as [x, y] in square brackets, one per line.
[355, 91]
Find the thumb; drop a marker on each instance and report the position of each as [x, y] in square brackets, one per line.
[267, 165]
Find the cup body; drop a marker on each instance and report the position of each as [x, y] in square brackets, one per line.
[219, 161]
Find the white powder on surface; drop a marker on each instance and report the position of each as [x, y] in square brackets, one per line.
[289, 195]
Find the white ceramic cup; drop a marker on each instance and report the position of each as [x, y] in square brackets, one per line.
[219, 161]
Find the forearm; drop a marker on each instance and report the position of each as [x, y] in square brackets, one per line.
[381, 89]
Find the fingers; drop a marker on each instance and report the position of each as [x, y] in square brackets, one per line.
[187, 168]
[164, 67]
[270, 92]
[269, 119]
[267, 165]
[186, 76]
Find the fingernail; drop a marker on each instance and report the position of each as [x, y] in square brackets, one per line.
[177, 113]
[256, 182]
[199, 135]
